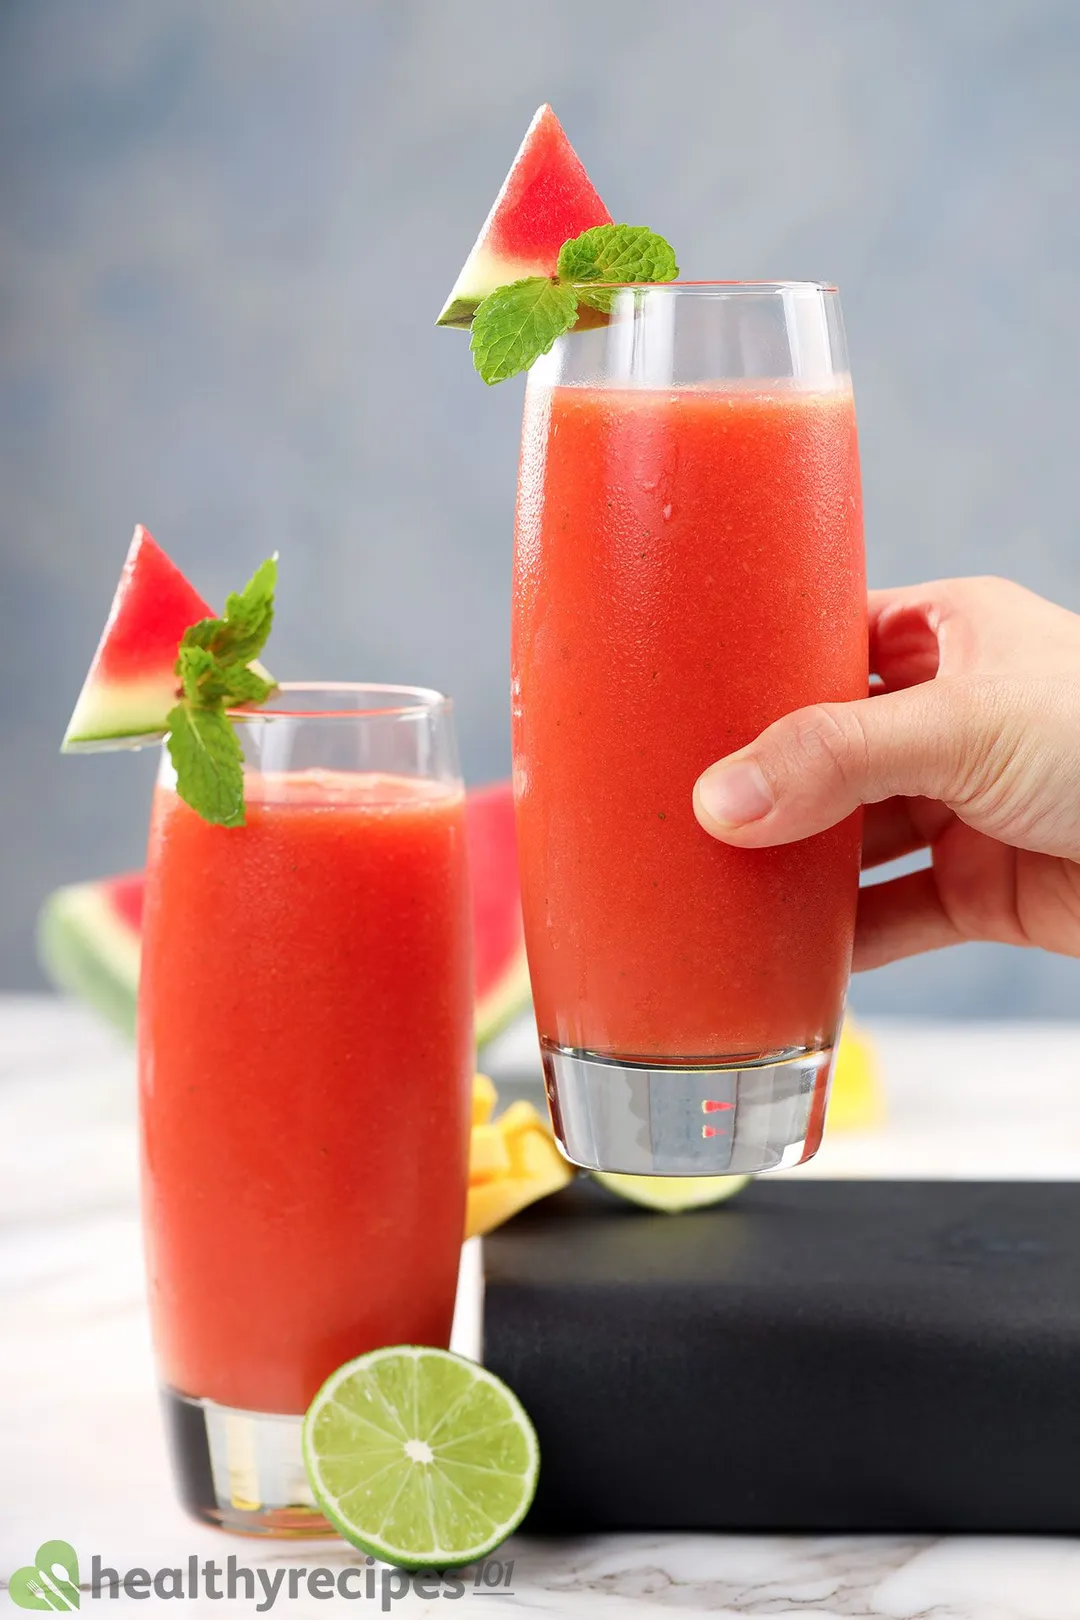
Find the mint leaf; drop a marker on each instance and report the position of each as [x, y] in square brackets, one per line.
[249, 615]
[209, 683]
[614, 253]
[241, 635]
[245, 686]
[208, 761]
[204, 633]
[516, 324]
[198, 671]
[212, 663]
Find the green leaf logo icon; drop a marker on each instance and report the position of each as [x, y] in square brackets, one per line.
[51, 1581]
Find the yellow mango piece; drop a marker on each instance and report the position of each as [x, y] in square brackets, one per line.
[489, 1155]
[856, 1102]
[513, 1162]
[521, 1116]
[484, 1098]
[492, 1202]
[535, 1155]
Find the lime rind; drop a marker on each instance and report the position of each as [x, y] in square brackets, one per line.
[671, 1195]
[462, 1488]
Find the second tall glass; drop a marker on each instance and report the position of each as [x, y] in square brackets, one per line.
[305, 1060]
[689, 568]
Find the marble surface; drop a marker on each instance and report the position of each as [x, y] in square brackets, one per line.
[81, 1453]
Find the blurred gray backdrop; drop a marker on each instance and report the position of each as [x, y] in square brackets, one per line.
[226, 227]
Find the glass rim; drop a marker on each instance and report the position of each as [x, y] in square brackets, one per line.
[417, 702]
[726, 288]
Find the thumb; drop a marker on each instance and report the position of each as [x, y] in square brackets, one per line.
[814, 767]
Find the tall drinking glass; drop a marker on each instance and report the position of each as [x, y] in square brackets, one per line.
[305, 1055]
[689, 568]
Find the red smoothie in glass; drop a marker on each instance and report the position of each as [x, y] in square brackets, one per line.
[689, 568]
[306, 1054]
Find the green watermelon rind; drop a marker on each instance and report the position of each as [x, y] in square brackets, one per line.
[112, 714]
[126, 714]
[481, 274]
[88, 951]
[508, 996]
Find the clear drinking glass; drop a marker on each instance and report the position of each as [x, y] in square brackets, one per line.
[305, 1057]
[689, 567]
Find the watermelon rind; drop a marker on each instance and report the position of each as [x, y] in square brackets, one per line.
[88, 951]
[128, 713]
[482, 272]
[508, 996]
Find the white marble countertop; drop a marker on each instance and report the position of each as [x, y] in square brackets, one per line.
[81, 1450]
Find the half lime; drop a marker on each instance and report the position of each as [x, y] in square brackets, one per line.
[671, 1193]
[419, 1457]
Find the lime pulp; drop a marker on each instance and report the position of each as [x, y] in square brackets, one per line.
[420, 1457]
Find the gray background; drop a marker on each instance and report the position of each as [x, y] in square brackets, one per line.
[227, 225]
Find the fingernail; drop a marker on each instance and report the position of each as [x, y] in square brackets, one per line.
[735, 794]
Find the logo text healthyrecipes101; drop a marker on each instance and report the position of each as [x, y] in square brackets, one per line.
[52, 1581]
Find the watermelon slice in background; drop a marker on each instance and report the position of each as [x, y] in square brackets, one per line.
[89, 933]
[502, 972]
[545, 200]
[131, 684]
[88, 944]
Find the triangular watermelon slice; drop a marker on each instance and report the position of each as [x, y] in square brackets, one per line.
[89, 933]
[131, 684]
[545, 200]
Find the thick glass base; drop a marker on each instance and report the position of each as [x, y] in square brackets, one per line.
[716, 1119]
[242, 1471]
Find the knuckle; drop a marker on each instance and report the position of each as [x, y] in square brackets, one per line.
[832, 735]
[996, 720]
[989, 593]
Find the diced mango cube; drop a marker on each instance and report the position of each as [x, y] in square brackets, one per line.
[484, 1098]
[513, 1161]
[520, 1116]
[535, 1155]
[855, 1100]
[489, 1154]
[493, 1202]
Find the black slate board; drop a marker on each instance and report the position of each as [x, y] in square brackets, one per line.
[830, 1356]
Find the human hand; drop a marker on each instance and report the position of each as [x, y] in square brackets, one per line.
[970, 747]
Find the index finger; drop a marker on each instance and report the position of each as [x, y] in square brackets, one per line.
[903, 623]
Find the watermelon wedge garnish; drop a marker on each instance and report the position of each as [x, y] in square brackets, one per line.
[89, 933]
[132, 684]
[546, 199]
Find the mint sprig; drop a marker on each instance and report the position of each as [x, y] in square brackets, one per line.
[516, 324]
[214, 667]
[614, 253]
[209, 765]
